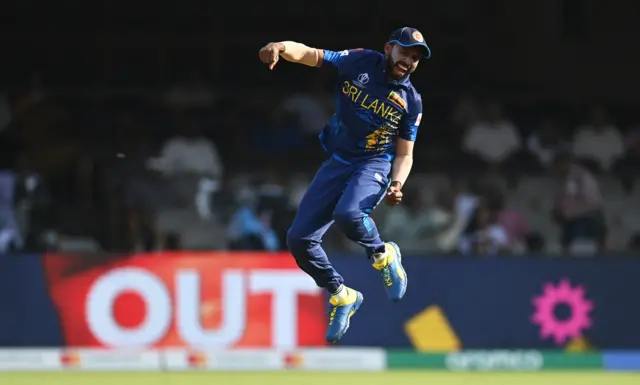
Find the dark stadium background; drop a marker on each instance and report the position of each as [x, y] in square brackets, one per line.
[91, 91]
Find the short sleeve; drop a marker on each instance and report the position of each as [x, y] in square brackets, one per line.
[411, 121]
[343, 59]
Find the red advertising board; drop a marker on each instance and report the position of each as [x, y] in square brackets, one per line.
[218, 300]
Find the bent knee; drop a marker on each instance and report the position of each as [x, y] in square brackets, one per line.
[346, 216]
[296, 240]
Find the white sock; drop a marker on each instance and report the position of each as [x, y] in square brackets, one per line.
[379, 257]
[341, 293]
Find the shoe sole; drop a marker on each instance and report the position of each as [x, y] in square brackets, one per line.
[406, 277]
[357, 305]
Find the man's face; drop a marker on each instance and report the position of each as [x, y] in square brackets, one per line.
[401, 61]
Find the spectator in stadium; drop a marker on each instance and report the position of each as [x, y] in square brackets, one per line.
[598, 143]
[191, 166]
[544, 142]
[136, 193]
[309, 108]
[493, 140]
[33, 208]
[465, 203]
[189, 152]
[520, 237]
[633, 246]
[418, 219]
[579, 207]
[628, 167]
[10, 237]
[250, 227]
[273, 202]
[484, 235]
[224, 200]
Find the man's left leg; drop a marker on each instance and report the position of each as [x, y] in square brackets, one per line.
[365, 190]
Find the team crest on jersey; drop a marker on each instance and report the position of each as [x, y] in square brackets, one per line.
[397, 100]
[361, 80]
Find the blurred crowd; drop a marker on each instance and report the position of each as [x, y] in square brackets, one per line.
[194, 168]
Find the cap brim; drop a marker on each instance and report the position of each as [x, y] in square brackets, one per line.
[427, 54]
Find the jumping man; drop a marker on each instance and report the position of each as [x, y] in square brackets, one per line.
[370, 140]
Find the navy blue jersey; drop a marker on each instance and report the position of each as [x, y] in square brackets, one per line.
[371, 111]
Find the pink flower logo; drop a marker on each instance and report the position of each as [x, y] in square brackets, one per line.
[563, 294]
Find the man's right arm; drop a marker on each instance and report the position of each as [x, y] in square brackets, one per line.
[314, 57]
[300, 53]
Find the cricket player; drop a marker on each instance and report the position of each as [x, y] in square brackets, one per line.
[370, 140]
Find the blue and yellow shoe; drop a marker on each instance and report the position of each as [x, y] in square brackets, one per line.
[341, 312]
[393, 274]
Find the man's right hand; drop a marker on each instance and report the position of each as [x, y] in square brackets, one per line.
[270, 54]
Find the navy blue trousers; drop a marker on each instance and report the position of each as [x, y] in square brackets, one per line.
[345, 194]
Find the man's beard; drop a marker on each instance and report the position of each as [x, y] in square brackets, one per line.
[390, 64]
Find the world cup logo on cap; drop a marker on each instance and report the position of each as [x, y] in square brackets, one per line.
[417, 36]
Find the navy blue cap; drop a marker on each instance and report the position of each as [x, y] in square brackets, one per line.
[410, 37]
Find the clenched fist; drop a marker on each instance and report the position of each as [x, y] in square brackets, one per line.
[394, 195]
[270, 54]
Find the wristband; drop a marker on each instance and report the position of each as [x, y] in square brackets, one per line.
[397, 184]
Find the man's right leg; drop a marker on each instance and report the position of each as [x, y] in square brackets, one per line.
[313, 219]
[304, 239]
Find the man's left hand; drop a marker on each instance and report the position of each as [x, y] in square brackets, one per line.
[394, 195]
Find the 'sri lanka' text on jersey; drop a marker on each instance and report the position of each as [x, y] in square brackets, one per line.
[371, 111]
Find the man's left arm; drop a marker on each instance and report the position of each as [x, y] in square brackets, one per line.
[403, 161]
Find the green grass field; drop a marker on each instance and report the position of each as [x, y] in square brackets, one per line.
[321, 378]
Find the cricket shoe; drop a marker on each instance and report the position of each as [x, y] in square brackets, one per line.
[389, 264]
[342, 308]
